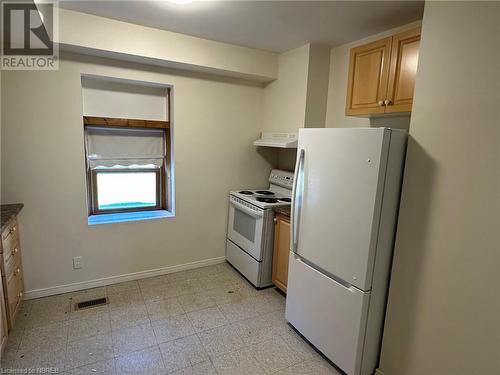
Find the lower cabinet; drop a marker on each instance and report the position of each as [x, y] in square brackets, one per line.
[11, 279]
[281, 251]
[4, 329]
[12, 271]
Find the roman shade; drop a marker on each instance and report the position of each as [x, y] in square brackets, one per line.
[126, 148]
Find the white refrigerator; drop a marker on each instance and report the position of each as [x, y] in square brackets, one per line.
[344, 213]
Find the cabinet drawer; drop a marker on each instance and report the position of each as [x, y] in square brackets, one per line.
[15, 300]
[4, 328]
[10, 238]
[10, 259]
[14, 282]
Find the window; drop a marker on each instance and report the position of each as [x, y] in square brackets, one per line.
[126, 169]
[126, 190]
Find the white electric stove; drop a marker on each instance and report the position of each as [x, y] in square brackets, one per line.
[250, 232]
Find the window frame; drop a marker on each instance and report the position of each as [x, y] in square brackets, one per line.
[167, 208]
[93, 190]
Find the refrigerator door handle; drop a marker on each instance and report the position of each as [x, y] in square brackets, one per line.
[337, 280]
[297, 194]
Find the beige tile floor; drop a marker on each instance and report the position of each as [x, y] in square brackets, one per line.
[204, 321]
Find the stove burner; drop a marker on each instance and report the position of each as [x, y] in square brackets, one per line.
[264, 192]
[245, 192]
[267, 200]
[286, 199]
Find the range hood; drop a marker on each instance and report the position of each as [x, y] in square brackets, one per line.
[280, 140]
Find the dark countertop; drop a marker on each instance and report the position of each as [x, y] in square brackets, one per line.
[285, 210]
[8, 211]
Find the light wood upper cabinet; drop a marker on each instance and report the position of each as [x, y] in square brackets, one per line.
[404, 61]
[368, 76]
[382, 75]
[281, 252]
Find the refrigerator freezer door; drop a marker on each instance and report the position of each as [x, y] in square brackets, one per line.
[328, 314]
[337, 200]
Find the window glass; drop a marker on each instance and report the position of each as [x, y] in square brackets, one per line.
[244, 224]
[125, 190]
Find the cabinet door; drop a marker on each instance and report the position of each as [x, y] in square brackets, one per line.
[404, 61]
[368, 77]
[3, 322]
[281, 253]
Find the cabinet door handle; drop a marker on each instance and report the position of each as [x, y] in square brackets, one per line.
[387, 102]
[17, 272]
[275, 220]
[380, 103]
[15, 251]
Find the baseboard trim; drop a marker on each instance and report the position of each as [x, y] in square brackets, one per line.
[378, 372]
[44, 292]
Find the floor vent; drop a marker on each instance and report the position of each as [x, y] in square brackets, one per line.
[91, 303]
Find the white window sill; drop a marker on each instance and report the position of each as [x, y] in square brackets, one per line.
[128, 216]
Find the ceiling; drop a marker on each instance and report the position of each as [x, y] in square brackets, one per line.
[269, 25]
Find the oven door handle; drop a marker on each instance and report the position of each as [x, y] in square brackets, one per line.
[247, 210]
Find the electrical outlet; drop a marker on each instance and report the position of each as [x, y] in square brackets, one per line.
[77, 263]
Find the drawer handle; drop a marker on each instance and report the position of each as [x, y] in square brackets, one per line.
[20, 295]
[15, 251]
[17, 272]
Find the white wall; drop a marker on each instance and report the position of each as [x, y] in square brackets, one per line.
[337, 87]
[318, 71]
[444, 300]
[103, 97]
[215, 122]
[298, 97]
[85, 33]
[285, 99]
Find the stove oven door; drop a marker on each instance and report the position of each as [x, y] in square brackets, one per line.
[245, 226]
